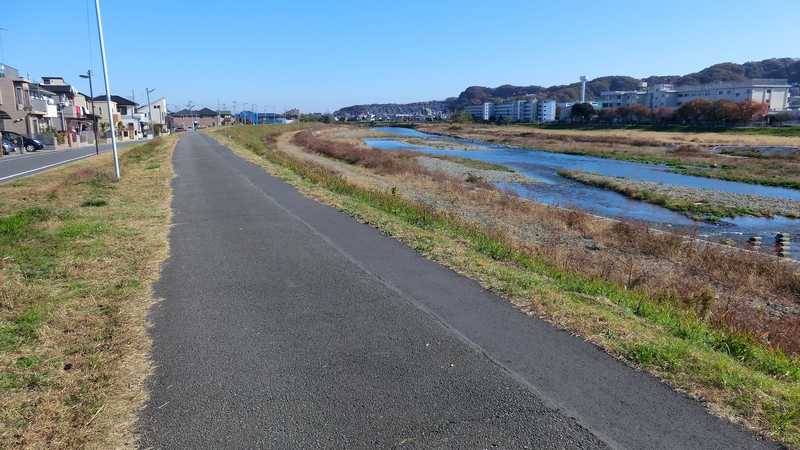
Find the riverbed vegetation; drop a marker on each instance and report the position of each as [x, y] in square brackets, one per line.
[698, 204]
[80, 252]
[670, 305]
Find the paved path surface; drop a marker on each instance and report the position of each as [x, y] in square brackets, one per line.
[15, 166]
[286, 324]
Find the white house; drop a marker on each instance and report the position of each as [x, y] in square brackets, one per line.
[158, 109]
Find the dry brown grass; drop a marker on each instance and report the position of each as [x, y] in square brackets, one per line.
[380, 161]
[733, 289]
[628, 136]
[74, 295]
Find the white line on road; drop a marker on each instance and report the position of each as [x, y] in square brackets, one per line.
[19, 174]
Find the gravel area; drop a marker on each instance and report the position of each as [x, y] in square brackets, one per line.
[462, 171]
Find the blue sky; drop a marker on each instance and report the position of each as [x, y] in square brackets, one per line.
[322, 55]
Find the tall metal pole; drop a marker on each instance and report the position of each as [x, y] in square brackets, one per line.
[108, 89]
[150, 109]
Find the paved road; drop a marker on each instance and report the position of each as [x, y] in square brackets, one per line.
[286, 324]
[15, 166]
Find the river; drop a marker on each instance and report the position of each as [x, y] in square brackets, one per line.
[554, 189]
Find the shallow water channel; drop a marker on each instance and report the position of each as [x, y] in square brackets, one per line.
[543, 166]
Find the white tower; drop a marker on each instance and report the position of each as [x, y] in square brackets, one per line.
[583, 88]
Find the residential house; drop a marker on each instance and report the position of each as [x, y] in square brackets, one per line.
[226, 118]
[21, 111]
[186, 119]
[158, 109]
[130, 124]
[72, 115]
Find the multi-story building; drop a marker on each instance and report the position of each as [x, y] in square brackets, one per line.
[23, 106]
[484, 111]
[773, 92]
[525, 110]
[794, 99]
[546, 111]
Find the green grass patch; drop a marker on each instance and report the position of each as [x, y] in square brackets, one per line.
[737, 174]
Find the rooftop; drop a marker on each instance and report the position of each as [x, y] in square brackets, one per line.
[116, 99]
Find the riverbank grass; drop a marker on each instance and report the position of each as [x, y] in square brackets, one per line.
[698, 204]
[732, 373]
[80, 251]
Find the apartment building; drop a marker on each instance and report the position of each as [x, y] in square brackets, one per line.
[794, 99]
[773, 92]
[546, 111]
[526, 110]
[484, 111]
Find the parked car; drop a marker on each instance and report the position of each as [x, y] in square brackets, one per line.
[29, 144]
[8, 146]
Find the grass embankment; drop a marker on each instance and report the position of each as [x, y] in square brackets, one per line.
[79, 254]
[684, 152]
[739, 378]
[698, 204]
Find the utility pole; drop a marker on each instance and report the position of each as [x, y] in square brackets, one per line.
[150, 109]
[94, 116]
[108, 89]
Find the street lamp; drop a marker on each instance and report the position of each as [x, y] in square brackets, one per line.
[88, 76]
[150, 109]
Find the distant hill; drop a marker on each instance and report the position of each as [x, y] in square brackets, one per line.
[788, 68]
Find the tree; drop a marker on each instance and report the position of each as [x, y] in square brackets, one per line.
[502, 120]
[582, 112]
[462, 117]
[720, 112]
